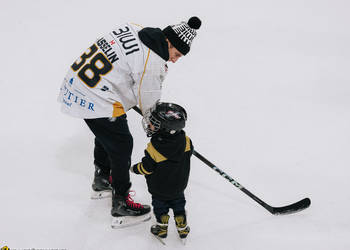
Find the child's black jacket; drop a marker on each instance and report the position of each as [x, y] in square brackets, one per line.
[166, 165]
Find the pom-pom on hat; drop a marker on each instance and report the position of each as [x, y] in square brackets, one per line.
[181, 35]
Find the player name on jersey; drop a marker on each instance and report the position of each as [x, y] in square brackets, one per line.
[107, 50]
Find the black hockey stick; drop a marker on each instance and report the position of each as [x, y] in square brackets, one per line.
[289, 209]
[292, 208]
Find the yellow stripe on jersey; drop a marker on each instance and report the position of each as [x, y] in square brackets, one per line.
[118, 109]
[138, 168]
[188, 144]
[137, 25]
[155, 155]
[143, 74]
[144, 170]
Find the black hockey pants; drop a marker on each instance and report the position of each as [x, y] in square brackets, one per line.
[113, 148]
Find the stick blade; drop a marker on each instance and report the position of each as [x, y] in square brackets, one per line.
[292, 208]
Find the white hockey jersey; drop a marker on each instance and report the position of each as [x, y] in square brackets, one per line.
[116, 73]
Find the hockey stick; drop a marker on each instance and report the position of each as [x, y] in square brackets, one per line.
[289, 209]
[292, 208]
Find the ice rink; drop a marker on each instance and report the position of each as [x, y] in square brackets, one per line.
[267, 89]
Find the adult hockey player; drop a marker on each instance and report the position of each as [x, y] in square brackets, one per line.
[166, 166]
[122, 69]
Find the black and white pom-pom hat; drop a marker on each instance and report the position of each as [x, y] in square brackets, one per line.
[181, 35]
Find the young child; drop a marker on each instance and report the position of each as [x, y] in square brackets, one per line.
[166, 166]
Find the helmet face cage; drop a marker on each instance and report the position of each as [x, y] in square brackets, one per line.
[147, 121]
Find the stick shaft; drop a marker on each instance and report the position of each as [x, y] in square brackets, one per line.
[231, 180]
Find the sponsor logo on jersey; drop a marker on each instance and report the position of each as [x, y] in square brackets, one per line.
[104, 88]
[69, 98]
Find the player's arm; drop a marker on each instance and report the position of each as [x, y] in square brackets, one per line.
[145, 167]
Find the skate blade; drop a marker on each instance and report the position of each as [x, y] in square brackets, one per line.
[96, 195]
[127, 221]
[160, 239]
[183, 241]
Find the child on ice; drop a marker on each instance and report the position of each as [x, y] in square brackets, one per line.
[166, 166]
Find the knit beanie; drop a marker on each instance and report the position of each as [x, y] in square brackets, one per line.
[181, 35]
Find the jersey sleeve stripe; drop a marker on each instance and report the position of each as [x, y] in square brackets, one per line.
[144, 170]
[138, 168]
[188, 144]
[155, 155]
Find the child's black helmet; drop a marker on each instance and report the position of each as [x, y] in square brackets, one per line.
[165, 117]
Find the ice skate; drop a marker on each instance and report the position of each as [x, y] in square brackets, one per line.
[182, 228]
[160, 230]
[125, 212]
[101, 186]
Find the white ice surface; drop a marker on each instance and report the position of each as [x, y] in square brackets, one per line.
[266, 87]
